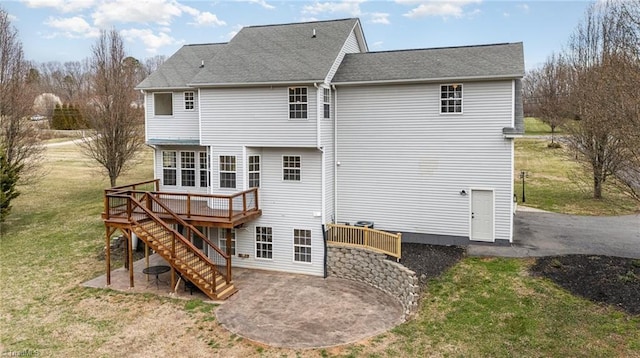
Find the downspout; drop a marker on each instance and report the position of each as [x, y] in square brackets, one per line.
[335, 155]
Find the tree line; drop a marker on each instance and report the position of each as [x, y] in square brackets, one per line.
[590, 90]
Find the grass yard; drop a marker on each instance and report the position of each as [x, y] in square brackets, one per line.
[534, 126]
[50, 244]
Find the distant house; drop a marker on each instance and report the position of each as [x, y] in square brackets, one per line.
[289, 127]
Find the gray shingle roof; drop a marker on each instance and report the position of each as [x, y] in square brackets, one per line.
[485, 61]
[179, 69]
[278, 53]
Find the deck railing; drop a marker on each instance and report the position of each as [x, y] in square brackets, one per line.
[189, 205]
[381, 241]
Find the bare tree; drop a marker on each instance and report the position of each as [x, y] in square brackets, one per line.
[603, 60]
[18, 137]
[117, 124]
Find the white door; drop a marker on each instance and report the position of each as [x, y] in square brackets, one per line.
[482, 215]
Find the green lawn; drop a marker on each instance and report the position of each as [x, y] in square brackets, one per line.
[534, 126]
[50, 245]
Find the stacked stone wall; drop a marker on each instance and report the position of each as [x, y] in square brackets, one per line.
[375, 269]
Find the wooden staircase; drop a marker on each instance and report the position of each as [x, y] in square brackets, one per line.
[179, 252]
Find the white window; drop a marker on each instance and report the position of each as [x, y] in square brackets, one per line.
[205, 173]
[222, 241]
[254, 171]
[326, 99]
[189, 101]
[302, 245]
[227, 171]
[297, 102]
[188, 168]
[169, 167]
[291, 165]
[264, 242]
[163, 104]
[451, 98]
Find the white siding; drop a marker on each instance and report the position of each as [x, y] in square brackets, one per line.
[183, 124]
[178, 188]
[285, 206]
[403, 164]
[350, 46]
[257, 117]
[327, 143]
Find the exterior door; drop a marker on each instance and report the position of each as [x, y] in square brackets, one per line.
[482, 215]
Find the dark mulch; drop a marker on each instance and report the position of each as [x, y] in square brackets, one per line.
[610, 280]
[429, 261]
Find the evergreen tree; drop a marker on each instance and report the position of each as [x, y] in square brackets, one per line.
[9, 175]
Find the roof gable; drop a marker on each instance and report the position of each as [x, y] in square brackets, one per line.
[469, 62]
[278, 53]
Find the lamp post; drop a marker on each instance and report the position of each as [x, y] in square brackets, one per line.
[523, 175]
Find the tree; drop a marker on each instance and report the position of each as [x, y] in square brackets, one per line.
[603, 60]
[9, 176]
[21, 150]
[117, 125]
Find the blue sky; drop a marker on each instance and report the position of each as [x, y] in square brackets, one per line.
[65, 30]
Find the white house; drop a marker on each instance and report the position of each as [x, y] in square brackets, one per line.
[415, 141]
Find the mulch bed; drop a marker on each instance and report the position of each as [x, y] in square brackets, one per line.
[430, 261]
[604, 279]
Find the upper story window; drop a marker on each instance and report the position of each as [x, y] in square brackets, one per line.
[451, 98]
[254, 171]
[189, 101]
[169, 168]
[326, 99]
[227, 171]
[291, 166]
[163, 104]
[297, 102]
[188, 168]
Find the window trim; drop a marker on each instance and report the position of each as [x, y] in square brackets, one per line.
[310, 246]
[191, 101]
[185, 168]
[249, 171]
[285, 168]
[234, 171]
[263, 242]
[326, 101]
[461, 99]
[305, 112]
[154, 104]
[173, 168]
[206, 169]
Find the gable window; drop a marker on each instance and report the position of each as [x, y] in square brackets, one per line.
[326, 99]
[189, 101]
[264, 242]
[297, 102]
[302, 245]
[205, 174]
[227, 171]
[188, 168]
[254, 171]
[169, 167]
[163, 104]
[451, 98]
[222, 241]
[291, 165]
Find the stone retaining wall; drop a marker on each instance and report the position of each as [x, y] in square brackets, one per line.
[375, 269]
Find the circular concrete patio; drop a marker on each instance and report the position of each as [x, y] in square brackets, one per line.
[298, 311]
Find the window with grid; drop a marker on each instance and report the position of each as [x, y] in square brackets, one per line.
[169, 167]
[227, 171]
[188, 168]
[189, 101]
[327, 103]
[302, 245]
[254, 171]
[291, 167]
[264, 242]
[222, 241]
[297, 102]
[205, 174]
[451, 98]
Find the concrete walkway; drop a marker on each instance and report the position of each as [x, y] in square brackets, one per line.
[538, 233]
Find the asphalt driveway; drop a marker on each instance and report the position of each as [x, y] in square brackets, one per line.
[549, 234]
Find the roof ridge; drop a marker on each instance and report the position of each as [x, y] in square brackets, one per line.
[303, 22]
[438, 48]
[207, 44]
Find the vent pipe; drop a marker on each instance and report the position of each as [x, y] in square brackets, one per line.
[314, 34]
[202, 64]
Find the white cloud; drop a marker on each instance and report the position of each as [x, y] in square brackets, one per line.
[64, 6]
[207, 19]
[451, 8]
[71, 27]
[351, 7]
[262, 3]
[377, 44]
[524, 7]
[126, 11]
[151, 41]
[380, 18]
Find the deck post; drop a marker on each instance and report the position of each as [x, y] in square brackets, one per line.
[173, 279]
[229, 255]
[108, 255]
[130, 250]
[146, 257]
[244, 203]
[188, 205]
